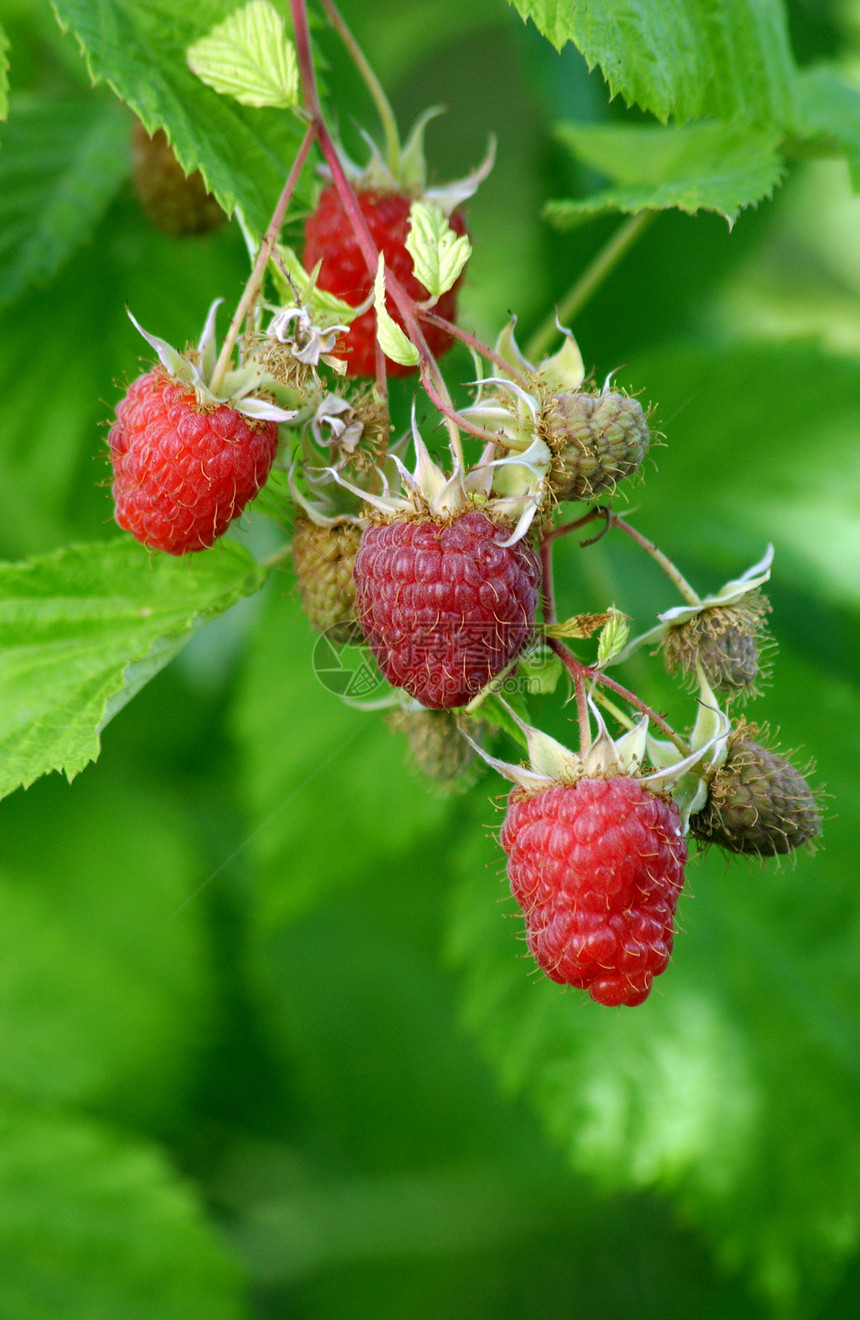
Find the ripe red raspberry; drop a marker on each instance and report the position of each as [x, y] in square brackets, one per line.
[597, 868]
[329, 237]
[443, 606]
[183, 472]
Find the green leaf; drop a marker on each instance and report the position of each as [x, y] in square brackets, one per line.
[82, 629]
[97, 1226]
[612, 639]
[438, 253]
[682, 59]
[249, 57]
[139, 48]
[61, 163]
[555, 19]
[4, 74]
[104, 999]
[711, 166]
[830, 110]
[394, 341]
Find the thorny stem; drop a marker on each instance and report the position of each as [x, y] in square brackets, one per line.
[615, 711]
[589, 282]
[446, 408]
[578, 673]
[255, 281]
[690, 596]
[653, 715]
[374, 86]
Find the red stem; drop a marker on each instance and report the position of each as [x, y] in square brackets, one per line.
[447, 409]
[580, 673]
[255, 282]
[575, 526]
[404, 304]
[548, 589]
[473, 342]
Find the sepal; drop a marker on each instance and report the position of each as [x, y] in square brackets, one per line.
[238, 388]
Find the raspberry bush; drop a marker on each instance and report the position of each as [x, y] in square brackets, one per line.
[366, 521]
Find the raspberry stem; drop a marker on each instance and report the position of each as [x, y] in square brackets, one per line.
[580, 673]
[599, 511]
[255, 281]
[447, 409]
[372, 83]
[589, 282]
[690, 596]
[472, 341]
[653, 715]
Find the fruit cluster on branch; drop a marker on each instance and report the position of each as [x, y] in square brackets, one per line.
[443, 569]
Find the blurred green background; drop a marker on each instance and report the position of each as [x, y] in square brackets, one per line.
[268, 1047]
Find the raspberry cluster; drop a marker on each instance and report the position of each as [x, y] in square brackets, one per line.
[440, 571]
[597, 868]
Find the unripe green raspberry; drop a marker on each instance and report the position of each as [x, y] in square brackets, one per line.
[758, 802]
[176, 202]
[596, 440]
[726, 640]
[323, 559]
[437, 749]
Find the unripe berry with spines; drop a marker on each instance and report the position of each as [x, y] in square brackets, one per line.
[323, 559]
[596, 440]
[726, 640]
[437, 749]
[758, 802]
[177, 203]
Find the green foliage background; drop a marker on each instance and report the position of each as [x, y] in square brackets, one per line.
[267, 1047]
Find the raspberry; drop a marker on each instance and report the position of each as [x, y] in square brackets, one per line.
[323, 559]
[596, 440]
[183, 472]
[443, 606]
[437, 749]
[329, 238]
[176, 202]
[726, 640]
[597, 868]
[758, 802]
